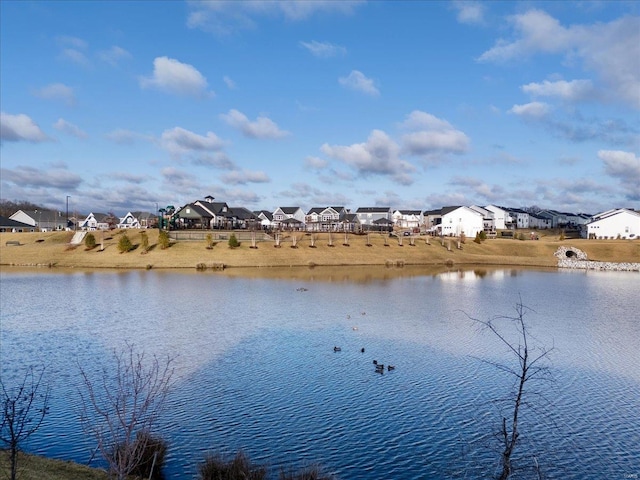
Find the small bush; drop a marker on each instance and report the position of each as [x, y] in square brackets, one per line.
[233, 241]
[240, 468]
[163, 239]
[144, 238]
[124, 244]
[147, 468]
[477, 239]
[521, 236]
[561, 235]
[209, 241]
[483, 235]
[90, 241]
[313, 472]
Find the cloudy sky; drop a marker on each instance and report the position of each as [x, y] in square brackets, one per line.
[413, 105]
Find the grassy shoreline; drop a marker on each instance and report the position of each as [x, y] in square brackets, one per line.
[52, 249]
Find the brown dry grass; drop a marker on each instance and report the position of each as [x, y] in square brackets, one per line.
[53, 249]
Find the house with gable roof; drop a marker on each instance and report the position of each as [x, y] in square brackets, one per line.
[129, 221]
[617, 223]
[281, 214]
[96, 221]
[265, 217]
[375, 218]
[324, 219]
[408, 218]
[458, 220]
[43, 219]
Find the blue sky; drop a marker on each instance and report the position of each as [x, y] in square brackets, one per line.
[413, 105]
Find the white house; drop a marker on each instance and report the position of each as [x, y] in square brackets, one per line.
[408, 218]
[459, 220]
[500, 216]
[129, 221]
[487, 218]
[95, 221]
[265, 217]
[619, 223]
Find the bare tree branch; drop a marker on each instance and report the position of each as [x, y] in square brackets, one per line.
[121, 412]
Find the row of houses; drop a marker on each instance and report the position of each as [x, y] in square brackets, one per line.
[208, 214]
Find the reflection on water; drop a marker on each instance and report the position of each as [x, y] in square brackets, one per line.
[257, 368]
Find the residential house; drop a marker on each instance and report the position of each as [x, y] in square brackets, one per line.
[539, 221]
[192, 216]
[240, 217]
[44, 220]
[412, 219]
[217, 212]
[351, 223]
[432, 220]
[324, 219]
[96, 221]
[520, 217]
[501, 218]
[375, 218]
[487, 218]
[618, 223]
[281, 214]
[128, 221]
[8, 225]
[265, 218]
[461, 220]
[558, 219]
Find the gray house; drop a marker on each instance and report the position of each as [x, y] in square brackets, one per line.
[375, 218]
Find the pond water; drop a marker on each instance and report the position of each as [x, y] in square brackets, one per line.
[256, 368]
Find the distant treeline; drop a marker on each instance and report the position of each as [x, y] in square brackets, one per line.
[8, 208]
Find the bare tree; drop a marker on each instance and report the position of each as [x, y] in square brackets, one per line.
[120, 408]
[530, 365]
[23, 410]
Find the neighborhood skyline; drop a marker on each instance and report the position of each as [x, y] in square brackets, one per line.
[414, 105]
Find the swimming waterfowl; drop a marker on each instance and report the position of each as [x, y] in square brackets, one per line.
[362, 350]
[337, 349]
[391, 367]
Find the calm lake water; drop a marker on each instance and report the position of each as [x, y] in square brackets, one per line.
[256, 368]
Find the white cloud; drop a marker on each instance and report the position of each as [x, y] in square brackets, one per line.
[32, 177]
[74, 56]
[178, 141]
[242, 177]
[379, 155]
[625, 166]
[532, 110]
[20, 128]
[263, 127]
[69, 128]
[611, 50]
[224, 17]
[173, 76]
[57, 91]
[469, 12]
[356, 80]
[229, 83]
[114, 55]
[324, 49]
[315, 163]
[573, 91]
[432, 135]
